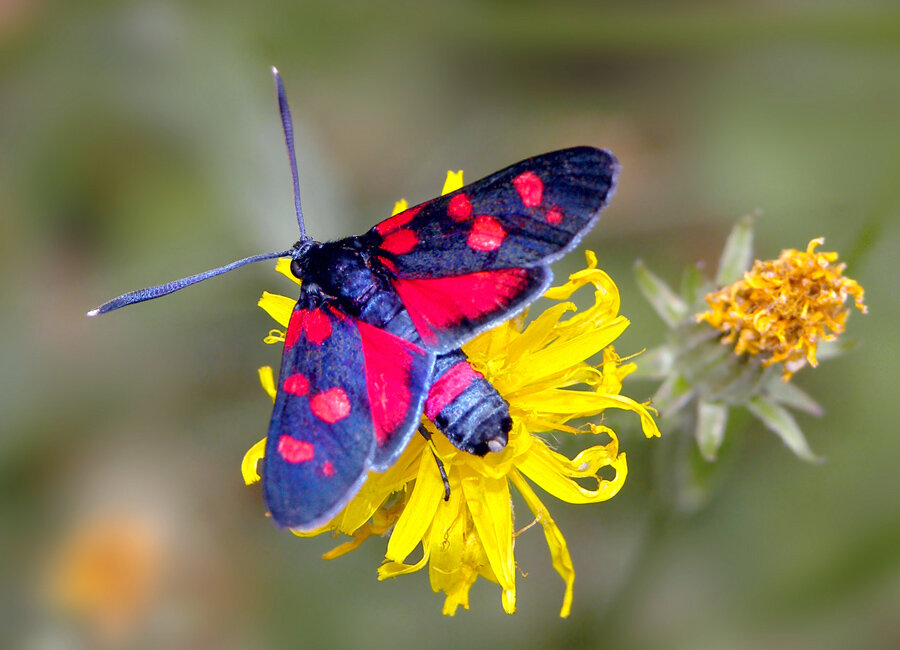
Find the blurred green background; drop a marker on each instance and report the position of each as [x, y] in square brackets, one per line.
[139, 142]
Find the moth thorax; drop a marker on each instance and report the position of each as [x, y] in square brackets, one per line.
[342, 272]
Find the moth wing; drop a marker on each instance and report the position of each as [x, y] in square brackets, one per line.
[328, 429]
[528, 214]
[470, 259]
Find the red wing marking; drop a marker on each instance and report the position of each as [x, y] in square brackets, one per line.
[388, 364]
[331, 406]
[487, 234]
[530, 189]
[441, 303]
[400, 241]
[328, 469]
[554, 216]
[295, 451]
[388, 263]
[459, 208]
[448, 387]
[311, 322]
[297, 385]
[396, 222]
[316, 326]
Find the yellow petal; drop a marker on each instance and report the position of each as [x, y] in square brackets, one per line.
[394, 569]
[418, 515]
[559, 550]
[400, 206]
[283, 266]
[491, 509]
[554, 473]
[453, 182]
[250, 462]
[566, 290]
[580, 403]
[379, 487]
[267, 379]
[455, 551]
[278, 307]
[539, 331]
[562, 355]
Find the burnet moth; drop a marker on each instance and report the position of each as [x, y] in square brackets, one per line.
[373, 342]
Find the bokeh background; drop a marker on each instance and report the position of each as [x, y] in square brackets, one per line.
[139, 142]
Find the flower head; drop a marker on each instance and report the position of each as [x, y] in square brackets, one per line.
[781, 309]
[778, 311]
[536, 368]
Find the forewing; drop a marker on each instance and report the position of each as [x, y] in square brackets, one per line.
[349, 398]
[525, 215]
[321, 438]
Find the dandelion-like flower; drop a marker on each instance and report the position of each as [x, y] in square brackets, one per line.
[778, 311]
[537, 368]
[781, 309]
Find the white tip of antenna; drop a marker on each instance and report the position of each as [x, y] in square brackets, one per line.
[274, 70]
[93, 312]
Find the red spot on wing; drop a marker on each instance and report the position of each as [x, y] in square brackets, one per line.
[328, 469]
[530, 188]
[400, 241]
[396, 222]
[331, 406]
[388, 361]
[295, 451]
[459, 208]
[448, 387]
[297, 385]
[313, 323]
[487, 234]
[316, 326]
[440, 303]
[554, 216]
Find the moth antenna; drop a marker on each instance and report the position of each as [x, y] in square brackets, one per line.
[165, 289]
[288, 126]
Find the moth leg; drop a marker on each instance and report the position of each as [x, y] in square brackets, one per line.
[440, 464]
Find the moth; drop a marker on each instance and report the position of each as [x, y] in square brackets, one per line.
[374, 340]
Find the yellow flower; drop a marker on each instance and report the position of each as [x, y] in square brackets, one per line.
[781, 309]
[536, 368]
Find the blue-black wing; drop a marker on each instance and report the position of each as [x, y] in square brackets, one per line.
[349, 398]
[472, 258]
[528, 214]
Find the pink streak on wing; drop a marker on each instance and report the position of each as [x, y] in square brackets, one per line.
[388, 360]
[448, 387]
[331, 406]
[530, 188]
[554, 216]
[400, 241]
[388, 263]
[328, 469]
[440, 303]
[297, 385]
[295, 451]
[487, 234]
[396, 222]
[459, 208]
[295, 328]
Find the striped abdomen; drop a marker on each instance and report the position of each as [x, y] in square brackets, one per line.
[466, 407]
